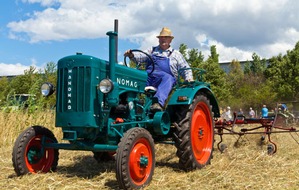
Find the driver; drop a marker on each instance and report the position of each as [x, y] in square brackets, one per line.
[168, 62]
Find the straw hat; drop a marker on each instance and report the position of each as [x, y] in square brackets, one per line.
[165, 32]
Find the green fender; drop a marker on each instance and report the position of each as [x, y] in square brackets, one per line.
[184, 96]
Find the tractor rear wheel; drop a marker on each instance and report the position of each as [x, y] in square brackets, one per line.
[29, 155]
[135, 159]
[194, 135]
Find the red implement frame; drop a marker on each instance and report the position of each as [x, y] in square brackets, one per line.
[228, 127]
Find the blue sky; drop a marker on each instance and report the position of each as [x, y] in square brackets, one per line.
[35, 32]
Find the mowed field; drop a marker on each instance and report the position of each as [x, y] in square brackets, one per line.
[244, 165]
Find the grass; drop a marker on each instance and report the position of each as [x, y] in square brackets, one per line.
[245, 166]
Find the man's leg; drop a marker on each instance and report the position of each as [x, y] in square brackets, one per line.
[164, 88]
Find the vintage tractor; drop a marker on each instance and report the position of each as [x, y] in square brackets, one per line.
[102, 106]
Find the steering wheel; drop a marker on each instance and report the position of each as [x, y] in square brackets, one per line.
[142, 66]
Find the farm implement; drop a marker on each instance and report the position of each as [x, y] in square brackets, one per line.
[240, 126]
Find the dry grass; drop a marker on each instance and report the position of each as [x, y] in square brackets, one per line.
[246, 166]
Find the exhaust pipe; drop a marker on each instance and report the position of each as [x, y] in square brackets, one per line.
[113, 50]
[113, 96]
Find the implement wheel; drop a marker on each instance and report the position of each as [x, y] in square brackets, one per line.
[29, 155]
[135, 159]
[194, 135]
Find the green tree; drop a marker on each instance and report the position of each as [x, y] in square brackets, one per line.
[235, 79]
[21, 84]
[214, 56]
[254, 91]
[216, 76]
[4, 89]
[195, 58]
[256, 66]
[49, 74]
[283, 72]
[247, 69]
[183, 50]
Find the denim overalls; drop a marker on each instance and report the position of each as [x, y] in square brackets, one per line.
[161, 78]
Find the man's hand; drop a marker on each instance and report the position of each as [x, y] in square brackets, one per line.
[129, 53]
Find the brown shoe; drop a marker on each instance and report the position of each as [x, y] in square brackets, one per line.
[156, 107]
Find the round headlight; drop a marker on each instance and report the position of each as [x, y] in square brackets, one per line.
[106, 86]
[47, 89]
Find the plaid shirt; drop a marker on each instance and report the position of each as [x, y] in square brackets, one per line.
[177, 60]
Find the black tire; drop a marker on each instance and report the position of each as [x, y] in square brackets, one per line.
[135, 159]
[194, 135]
[29, 155]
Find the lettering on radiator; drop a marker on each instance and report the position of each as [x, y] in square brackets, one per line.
[69, 90]
[126, 82]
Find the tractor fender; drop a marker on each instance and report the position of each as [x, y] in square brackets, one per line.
[184, 96]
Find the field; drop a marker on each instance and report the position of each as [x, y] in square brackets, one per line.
[244, 165]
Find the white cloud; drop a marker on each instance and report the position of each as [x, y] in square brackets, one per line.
[42, 2]
[8, 69]
[12, 69]
[238, 28]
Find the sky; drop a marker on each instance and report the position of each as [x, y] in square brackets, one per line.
[36, 32]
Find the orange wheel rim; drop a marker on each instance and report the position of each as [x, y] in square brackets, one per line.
[140, 162]
[38, 158]
[201, 133]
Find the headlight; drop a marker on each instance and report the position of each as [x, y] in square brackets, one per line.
[47, 89]
[105, 86]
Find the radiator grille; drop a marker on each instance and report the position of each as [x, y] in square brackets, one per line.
[74, 89]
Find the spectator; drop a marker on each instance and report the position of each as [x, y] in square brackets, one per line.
[240, 113]
[251, 113]
[223, 113]
[228, 115]
[284, 107]
[264, 111]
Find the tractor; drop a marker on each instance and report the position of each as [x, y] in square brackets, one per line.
[102, 106]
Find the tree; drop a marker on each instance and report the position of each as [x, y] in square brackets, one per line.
[247, 67]
[49, 74]
[195, 58]
[283, 72]
[21, 84]
[214, 56]
[216, 76]
[235, 79]
[4, 83]
[183, 50]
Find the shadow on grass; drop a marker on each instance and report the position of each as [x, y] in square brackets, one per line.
[86, 167]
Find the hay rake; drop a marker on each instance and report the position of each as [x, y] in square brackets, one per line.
[271, 125]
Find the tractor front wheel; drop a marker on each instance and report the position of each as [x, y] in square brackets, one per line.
[135, 159]
[29, 155]
[194, 135]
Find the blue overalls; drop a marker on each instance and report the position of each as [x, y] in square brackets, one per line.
[161, 78]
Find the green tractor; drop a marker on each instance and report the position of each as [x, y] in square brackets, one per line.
[103, 107]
